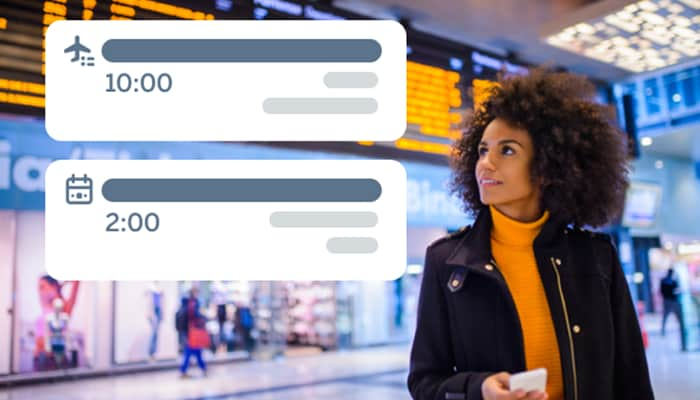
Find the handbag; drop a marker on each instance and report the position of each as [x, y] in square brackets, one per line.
[198, 337]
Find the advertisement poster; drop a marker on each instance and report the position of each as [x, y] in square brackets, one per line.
[144, 327]
[54, 320]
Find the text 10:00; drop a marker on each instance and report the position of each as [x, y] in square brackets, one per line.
[147, 83]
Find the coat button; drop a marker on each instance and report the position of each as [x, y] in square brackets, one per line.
[558, 261]
[577, 329]
[488, 267]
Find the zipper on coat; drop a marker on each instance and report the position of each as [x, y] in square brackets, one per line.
[568, 326]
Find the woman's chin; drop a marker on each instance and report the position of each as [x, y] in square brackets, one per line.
[488, 201]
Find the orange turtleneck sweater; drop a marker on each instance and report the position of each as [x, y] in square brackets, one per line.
[511, 245]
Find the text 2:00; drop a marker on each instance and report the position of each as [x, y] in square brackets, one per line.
[135, 222]
[147, 83]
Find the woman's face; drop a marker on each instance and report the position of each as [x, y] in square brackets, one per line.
[47, 293]
[503, 171]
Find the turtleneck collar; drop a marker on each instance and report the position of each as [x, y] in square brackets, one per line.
[510, 232]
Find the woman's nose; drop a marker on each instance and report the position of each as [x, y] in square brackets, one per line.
[485, 162]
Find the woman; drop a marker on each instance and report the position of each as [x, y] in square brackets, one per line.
[197, 337]
[524, 288]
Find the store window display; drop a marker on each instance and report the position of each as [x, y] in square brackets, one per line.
[34, 294]
[52, 341]
[312, 315]
[344, 313]
[226, 309]
[269, 305]
[51, 327]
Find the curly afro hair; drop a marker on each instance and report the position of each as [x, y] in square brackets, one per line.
[580, 157]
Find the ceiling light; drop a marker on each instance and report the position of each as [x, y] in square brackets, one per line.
[585, 28]
[635, 28]
[659, 164]
[647, 141]
[647, 5]
[682, 21]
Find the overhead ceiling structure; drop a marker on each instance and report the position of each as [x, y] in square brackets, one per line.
[585, 36]
[638, 37]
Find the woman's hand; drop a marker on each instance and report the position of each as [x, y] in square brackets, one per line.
[495, 387]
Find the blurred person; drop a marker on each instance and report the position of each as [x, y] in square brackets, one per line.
[219, 300]
[181, 324]
[524, 287]
[243, 325]
[49, 290]
[197, 337]
[670, 292]
[194, 291]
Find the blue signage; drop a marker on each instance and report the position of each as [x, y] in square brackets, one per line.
[26, 151]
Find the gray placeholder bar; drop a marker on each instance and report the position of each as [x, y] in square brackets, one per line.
[350, 80]
[241, 50]
[241, 190]
[323, 219]
[352, 245]
[320, 106]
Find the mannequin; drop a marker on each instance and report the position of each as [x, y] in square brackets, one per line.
[57, 332]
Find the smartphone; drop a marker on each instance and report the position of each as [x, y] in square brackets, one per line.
[528, 381]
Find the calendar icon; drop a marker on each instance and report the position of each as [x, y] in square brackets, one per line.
[79, 190]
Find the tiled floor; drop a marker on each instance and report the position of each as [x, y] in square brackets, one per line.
[364, 374]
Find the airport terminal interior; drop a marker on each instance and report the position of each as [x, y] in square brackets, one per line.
[121, 331]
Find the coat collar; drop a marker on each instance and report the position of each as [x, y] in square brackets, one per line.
[475, 246]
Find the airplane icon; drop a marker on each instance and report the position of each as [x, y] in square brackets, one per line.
[76, 48]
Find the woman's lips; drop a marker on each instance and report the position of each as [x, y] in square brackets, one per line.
[489, 182]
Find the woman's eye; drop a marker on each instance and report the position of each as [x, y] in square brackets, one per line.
[483, 151]
[507, 150]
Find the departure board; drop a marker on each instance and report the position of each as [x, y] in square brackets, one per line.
[440, 72]
[23, 25]
[22, 38]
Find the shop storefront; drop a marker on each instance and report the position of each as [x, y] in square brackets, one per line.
[684, 259]
[99, 325]
[7, 250]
